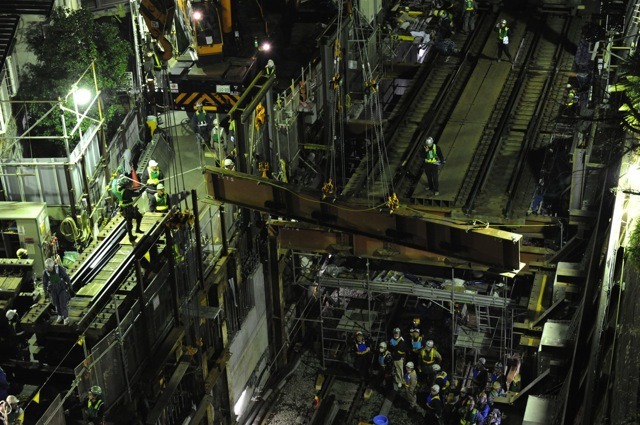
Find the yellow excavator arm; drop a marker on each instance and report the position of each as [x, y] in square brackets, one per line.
[158, 15]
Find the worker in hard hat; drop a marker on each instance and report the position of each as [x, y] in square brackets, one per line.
[503, 40]
[200, 123]
[151, 177]
[22, 254]
[159, 202]
[429, 357]
[432, 161]
[410, 384]
[17, 337]
[270, 69]
[571, 100]
[228, 164]
[398, 348]
[434, 406]
[384, 364]
[57, 286]
[16, 415]
[362, 353]
[94, 411]
[129, 211]
[441, 379]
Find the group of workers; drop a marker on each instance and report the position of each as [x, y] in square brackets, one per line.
[212, 135]
[407, 365]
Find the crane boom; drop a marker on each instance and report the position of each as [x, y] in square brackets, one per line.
[158, 15]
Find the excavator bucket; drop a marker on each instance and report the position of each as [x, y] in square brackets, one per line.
[158, 15]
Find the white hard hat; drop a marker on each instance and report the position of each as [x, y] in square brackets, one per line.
[482, 360]
[409, 365]
[49, 262]
[568, 85]
[160, 186]
[153, 163]
[383, 346]
[436, 368]
[11, 314]
[12, 399]
[503, 22]
[228, 163]
[415, 330]
[429, 141]
[435, 389]
[429, 344]
[270, 64]
[396, 331]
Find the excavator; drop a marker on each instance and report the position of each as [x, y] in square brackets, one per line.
[194, 52]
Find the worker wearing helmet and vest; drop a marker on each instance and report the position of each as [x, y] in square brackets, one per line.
[15, 416]
[125, 195]
[410, 384]
[398, 348]
[151, 177]
[362, 354]
[503, 40]
[429, 357]
[94, 411]
[469, 16]
[159, 202]
[384, 363]
[200, 123]
[433, 159]
[57, 285]
[270, 69]
[434, 406]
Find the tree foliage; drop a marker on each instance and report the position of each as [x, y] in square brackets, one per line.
[629, 85]
[632, 250]
[64, 50]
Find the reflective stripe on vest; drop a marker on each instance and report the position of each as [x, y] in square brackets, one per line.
[92, 410]
[502, 32]
[470, 5]
[432, 155]
[161, 202]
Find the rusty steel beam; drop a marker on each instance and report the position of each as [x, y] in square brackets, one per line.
[451, 238]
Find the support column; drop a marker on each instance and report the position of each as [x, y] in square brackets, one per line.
[277, 303]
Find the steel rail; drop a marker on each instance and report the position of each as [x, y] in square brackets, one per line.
[534, 126]
[503, 125]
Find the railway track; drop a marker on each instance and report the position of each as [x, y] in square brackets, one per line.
[534, 91]
[431, 98]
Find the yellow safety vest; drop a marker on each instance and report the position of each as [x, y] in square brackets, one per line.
[161, 202]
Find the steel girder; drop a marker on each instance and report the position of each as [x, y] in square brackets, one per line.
[497, 249]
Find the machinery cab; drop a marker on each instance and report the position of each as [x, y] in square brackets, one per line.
[208, 39]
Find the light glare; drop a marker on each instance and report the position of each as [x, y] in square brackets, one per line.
[81, 96]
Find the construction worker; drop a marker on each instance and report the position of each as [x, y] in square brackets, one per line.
[57, 286]
[200, 124]
[494, 418]
[496, 391]
[384, 363]
[429, 357]
[160, 201]
[363, 355]
[480, 375]
[498, 374]
[125, 195]
[16, 415]
[218, 138]
[270, 69]
[415, 345]
[410, 385]
[469, 16]
[433, 159]
[94, 412]
[228, 164]
[441, 379]
[434, 406]
[503, 40]
[571, 99]
[482, 406]
[17, 335]
[151, 177]
[458, 403]
[469, 414]
[398, 349]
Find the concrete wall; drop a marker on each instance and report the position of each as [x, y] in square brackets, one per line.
[249, 344]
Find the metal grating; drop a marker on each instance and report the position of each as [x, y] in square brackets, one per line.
[8, 28]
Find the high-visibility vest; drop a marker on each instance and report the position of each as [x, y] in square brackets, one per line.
[162, 203]
[120, 196]
[154, 177]
[469, 5]
[503, 32]
[92, 409]
[201, 118]
[432, 155]
[270, 70]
